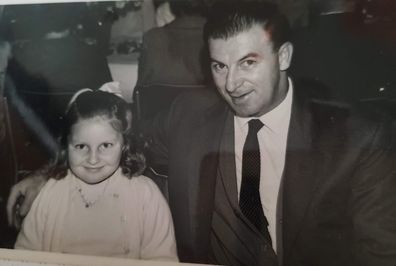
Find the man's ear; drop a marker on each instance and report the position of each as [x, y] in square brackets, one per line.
[285, 54]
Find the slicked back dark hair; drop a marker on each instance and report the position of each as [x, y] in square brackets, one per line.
[229, 18]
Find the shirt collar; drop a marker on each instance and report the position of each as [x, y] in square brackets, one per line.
[276, 119]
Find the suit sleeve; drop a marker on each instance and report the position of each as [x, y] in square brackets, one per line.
[374, 203]
[160, 131]
[158, 240]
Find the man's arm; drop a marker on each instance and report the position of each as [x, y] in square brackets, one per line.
[374, 203]
[22, 196]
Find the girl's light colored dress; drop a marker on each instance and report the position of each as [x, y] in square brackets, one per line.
[126, 218]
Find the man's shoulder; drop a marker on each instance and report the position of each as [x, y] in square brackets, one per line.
[188, 112]
[308, 89]
[198, 100]
[324, 107]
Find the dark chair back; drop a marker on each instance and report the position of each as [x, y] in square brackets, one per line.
[151, 99]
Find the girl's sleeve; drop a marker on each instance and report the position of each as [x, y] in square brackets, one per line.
[158, 241]
[32, 232]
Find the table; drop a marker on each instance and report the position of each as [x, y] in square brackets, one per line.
[12, 257]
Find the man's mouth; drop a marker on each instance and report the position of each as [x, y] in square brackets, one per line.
[240, 97]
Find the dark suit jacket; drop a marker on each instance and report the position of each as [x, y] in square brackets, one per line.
[337, 201]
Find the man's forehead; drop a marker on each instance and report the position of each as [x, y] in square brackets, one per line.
[244, 42]
[256, 30]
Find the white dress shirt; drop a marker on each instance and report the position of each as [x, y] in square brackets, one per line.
[272, 139]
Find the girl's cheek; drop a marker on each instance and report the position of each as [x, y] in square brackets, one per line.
[76, 157]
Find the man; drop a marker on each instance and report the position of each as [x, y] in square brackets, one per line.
[329, 166]
[322, 179]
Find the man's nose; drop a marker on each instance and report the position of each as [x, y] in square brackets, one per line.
[93, 157]
[233, 80]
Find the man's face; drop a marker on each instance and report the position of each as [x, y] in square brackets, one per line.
[248, 72]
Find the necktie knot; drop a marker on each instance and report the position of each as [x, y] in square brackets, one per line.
[255, 125]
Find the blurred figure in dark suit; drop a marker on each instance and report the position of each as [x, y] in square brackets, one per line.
[173, 54]
[172, 59]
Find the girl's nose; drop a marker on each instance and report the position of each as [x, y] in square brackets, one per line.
[93, 157]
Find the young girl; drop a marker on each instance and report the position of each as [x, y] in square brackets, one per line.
[96, 201]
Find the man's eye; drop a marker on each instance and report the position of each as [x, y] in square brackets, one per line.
[248, 63]
[218, 67]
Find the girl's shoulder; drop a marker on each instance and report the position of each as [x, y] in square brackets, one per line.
[55, 184]
[142, 181]
[53, 192]
[143, 185]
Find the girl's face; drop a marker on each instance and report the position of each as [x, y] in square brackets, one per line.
[94, 149]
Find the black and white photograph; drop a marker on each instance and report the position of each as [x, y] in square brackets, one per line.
[217, 132]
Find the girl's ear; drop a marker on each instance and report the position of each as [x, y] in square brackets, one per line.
[129, 119]
[124, 146]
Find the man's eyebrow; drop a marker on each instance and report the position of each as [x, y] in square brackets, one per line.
[241, 59]
[216, 61]
[249, 55]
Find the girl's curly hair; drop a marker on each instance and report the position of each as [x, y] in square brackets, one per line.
[90, 104]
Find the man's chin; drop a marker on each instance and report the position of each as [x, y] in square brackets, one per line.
[243, 112]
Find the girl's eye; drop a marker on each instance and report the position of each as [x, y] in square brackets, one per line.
[106, 145]
[80, 146]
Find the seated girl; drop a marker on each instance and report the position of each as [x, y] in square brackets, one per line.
[96, 202]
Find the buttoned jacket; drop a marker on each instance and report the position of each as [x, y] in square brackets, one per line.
[337, 201]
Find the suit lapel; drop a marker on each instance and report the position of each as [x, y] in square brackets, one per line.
[207, 141]
[227, 169]
[227, 162]
[302, 165]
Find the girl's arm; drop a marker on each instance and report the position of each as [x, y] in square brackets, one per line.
[32, 232]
